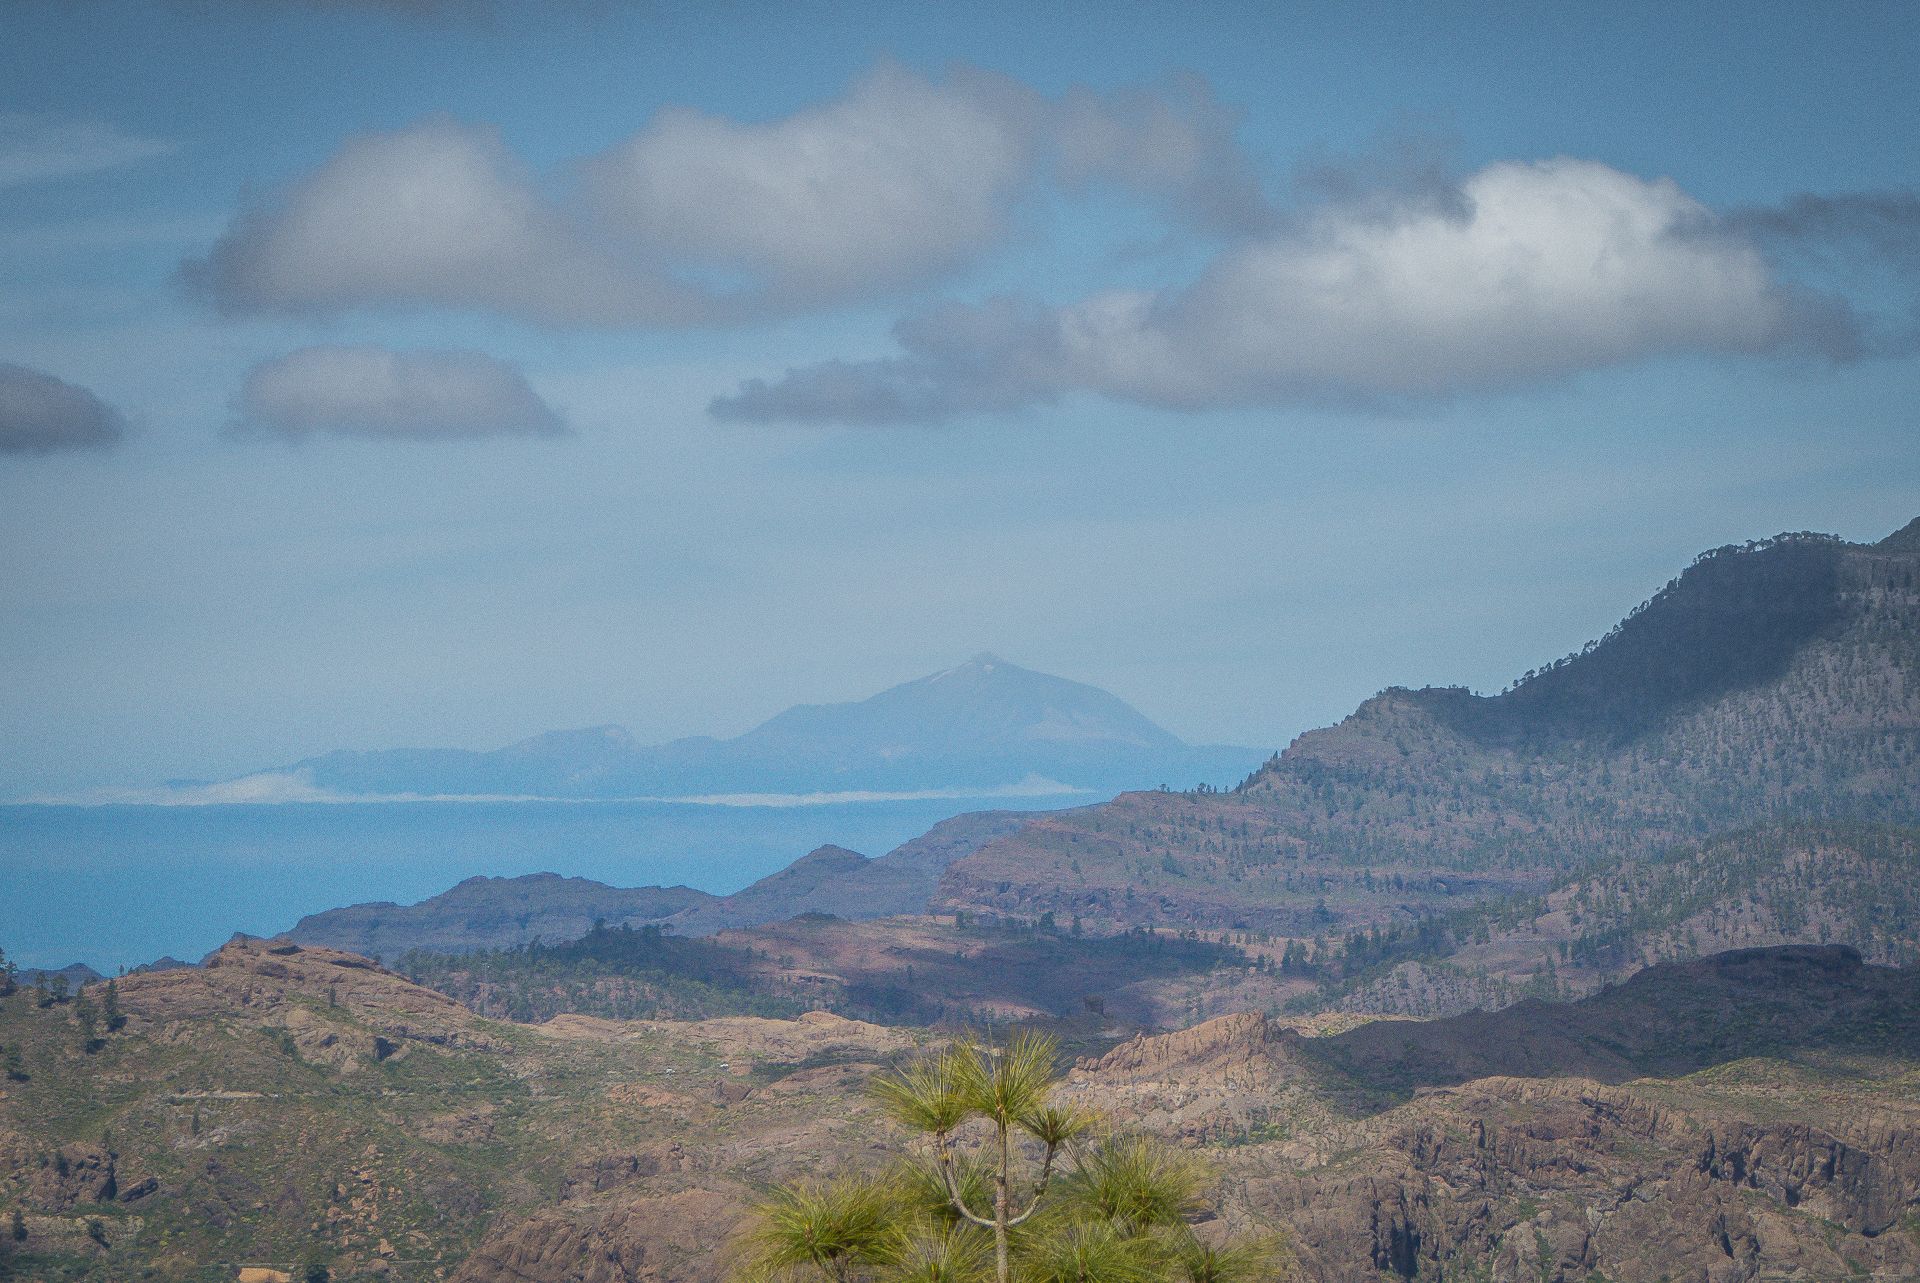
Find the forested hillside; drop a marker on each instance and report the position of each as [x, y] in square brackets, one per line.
[1775, 680]
[916, 971]
[1802, 883]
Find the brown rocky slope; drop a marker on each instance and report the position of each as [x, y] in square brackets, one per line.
[1767, 1160]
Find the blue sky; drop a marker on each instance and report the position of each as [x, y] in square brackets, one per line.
[407, 373]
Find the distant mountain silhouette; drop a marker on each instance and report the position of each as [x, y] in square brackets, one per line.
[983, 726]
[501, 913]
[1772, 682]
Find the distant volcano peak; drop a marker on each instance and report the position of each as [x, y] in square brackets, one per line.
[985, 724]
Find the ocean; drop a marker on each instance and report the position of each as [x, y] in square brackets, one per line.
[118, 885]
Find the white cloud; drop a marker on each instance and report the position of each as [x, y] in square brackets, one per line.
[440, 214]
[38, 148]
[1175, 143]
[40, 414]
[1536, 271]
[696, 219]
[297, 787]
[373, 392]
[900, 178]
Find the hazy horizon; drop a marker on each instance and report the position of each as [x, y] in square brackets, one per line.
[1305, 587]
[490, 368]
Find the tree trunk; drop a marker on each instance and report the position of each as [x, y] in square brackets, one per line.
[1000, 1208]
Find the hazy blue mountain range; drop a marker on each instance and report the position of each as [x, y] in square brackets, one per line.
[982, 726]
[499, 913]
[74, 974]
[1772, 680]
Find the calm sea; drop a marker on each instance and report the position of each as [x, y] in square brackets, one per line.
[115, 886]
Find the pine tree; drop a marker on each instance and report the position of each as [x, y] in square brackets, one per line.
[1008, 1184]
[110, 1008]
[88, 1019]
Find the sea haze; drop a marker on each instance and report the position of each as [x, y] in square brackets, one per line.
[117, 886]
[141, 873]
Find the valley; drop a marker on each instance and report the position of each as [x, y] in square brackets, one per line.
[1612, 976]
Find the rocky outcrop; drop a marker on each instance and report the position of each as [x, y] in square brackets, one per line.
[1515, 1180]
[75, 1173]
[1214, 1048]
[59, 1178]
[1507, 1180]
[611, 1171]
[812, 1034]
[671, 1238]
[336, 1008]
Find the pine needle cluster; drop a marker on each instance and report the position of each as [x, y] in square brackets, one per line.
[1005, 1185]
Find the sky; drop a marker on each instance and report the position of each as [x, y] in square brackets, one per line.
[412, 373]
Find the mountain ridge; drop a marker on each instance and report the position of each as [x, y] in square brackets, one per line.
[1739, 1117]
[983, 725]
[1441, 790]
[1422, 801]
[495, 913]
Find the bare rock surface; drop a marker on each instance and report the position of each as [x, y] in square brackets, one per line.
[338, 1008]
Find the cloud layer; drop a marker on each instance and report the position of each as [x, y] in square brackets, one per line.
[1526, 272]
[377, 393]
[697, 219]
[1377, 289]
[438, 215]
[898, 180]
[38, 148]
[40, 414]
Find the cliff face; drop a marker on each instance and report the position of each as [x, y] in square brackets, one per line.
[1565, 1181]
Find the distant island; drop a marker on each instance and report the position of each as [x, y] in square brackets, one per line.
[981, 728]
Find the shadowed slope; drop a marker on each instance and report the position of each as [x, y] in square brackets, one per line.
[1777, 680]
